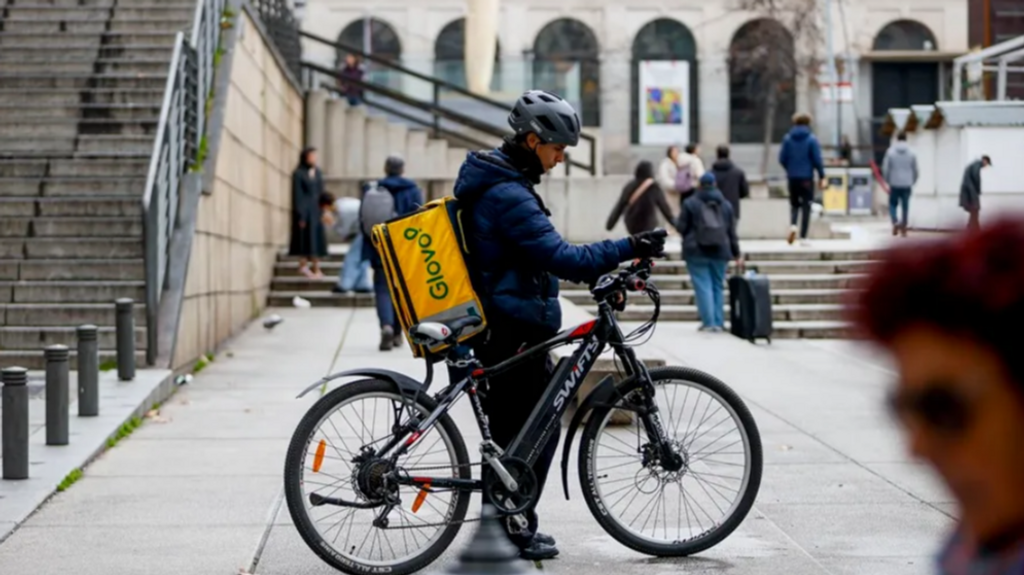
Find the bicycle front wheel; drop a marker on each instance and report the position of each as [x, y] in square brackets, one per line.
[330, 456]
[660, 509]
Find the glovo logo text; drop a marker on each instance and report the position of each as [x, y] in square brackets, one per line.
[436, 286]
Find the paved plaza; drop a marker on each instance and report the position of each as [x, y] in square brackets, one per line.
[199, 489]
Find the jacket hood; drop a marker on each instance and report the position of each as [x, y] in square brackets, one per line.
[800, 133]
[723, 165]
[396, 184]
[706, 194]
[900, 148]
[482, 171]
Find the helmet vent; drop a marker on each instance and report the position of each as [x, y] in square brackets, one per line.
[548, 125]
[547, 98]
[569, 123]
[527, 101]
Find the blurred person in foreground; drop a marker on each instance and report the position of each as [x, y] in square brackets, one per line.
[950, 313]
[640, 201]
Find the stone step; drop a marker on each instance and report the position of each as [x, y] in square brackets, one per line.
[81, 146]
[32, 337]
[65, 3]
[87, 66]
[82, 40]
[152, 97]
[789, 312]
[83, 81]
[138, 168]
[163, 11]
[293, 260]
[60, 186]
[124, 269]
[54, 27]
[64, 315]
[151, 24]
[71, 248]
[34, 127]
[802, 330]
[300, 283]
[70, 227]
[101, 206]
[36, 11]
[33, 358]
[290, 269]
[778, 281]
[320, 299]
[686, 297]
[71, 291]
[780, 267]
[23, 168]
[60, 54]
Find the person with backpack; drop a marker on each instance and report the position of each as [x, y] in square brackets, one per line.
[384, 200]
[899, 169]
[342, 215]
[640, 198]
[731, 179]
[708, 225]
[800, 156]
[691, 168]
[516, 258]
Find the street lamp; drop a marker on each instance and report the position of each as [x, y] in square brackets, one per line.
[489, 552]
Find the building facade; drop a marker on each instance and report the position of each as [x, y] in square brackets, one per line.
[889, 54]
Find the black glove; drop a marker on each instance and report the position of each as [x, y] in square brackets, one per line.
[649, 244]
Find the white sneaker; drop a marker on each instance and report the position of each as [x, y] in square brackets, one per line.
[805, 243]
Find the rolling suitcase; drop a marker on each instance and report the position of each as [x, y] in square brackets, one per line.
[750, 307]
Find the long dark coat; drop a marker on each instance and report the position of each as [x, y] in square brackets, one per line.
[309, 241]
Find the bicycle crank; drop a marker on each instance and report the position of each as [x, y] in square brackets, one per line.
[511, 502]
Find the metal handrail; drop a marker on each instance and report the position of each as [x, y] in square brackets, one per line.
[205, 40]
[437, 85]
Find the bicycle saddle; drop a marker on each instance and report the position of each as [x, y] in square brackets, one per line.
[433, 333]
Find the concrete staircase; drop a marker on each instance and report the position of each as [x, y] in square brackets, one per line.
[809, 290]
[81, 85]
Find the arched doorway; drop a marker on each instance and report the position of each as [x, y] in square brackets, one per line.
[383, 42]
[565, 61]
[450, 55]
[762, 82]
[664, 39]
[901, 84]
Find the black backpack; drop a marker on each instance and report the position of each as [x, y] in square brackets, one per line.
[712, 229]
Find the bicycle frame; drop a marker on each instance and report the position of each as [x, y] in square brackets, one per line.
[595, 336]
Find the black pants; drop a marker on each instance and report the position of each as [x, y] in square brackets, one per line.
[801, 196]
[973, 220]
[510, 399]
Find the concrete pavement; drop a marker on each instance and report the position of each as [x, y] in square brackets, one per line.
[199, 491]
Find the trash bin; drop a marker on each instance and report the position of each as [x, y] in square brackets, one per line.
[834, 197]
[862, 191]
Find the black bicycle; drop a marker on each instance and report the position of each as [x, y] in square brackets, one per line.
[378, 478]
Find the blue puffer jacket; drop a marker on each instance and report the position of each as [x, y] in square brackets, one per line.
[801, 154]
[408, 199]
[515, 251]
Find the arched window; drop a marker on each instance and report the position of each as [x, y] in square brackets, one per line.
[664, 39]
[762, 81]
[450, 55]
[566, 63]
[383, 42]
[905, 35]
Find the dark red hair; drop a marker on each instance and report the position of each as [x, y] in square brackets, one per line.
[970, 285]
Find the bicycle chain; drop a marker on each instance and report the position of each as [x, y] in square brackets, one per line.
[445, 523]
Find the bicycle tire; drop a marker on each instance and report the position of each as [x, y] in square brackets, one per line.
[587, 449]
[301, 439]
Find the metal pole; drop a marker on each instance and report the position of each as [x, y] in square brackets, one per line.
[125, 326]
[832, 70]
[56, 394]
[15, 422]
[88, 372]
[489, 551]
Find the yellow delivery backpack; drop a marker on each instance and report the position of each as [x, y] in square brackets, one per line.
[423, 255]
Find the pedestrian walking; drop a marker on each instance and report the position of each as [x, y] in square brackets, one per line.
[691, 168]
[342, 215]
[308, 240]
[353, 70]
[899, 170]
[731, 179]
[970, 191]
[708, 226]
[800, 156]
[959, 391]
[667, 170]
[641, 198]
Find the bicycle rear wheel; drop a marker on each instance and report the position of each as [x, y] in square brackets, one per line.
[642, 504]
[327, 457]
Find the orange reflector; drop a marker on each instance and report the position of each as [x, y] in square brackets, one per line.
[420, 498]
[318, 459]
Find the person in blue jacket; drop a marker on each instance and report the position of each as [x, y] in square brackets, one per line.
[517, 258]
[800, 156]
[408, 198]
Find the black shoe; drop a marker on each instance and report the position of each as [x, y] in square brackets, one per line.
[544, 538]
[538, 551]
[387, 338]
[337, 289]
[399, 339]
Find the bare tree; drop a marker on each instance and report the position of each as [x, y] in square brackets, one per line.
[765, 59]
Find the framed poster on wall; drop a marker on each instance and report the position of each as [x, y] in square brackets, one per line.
[664, 102]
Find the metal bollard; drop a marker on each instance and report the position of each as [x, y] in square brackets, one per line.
[88, 372]
[125, 339]
[489, 551]
[56, 394]
[15, 424]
